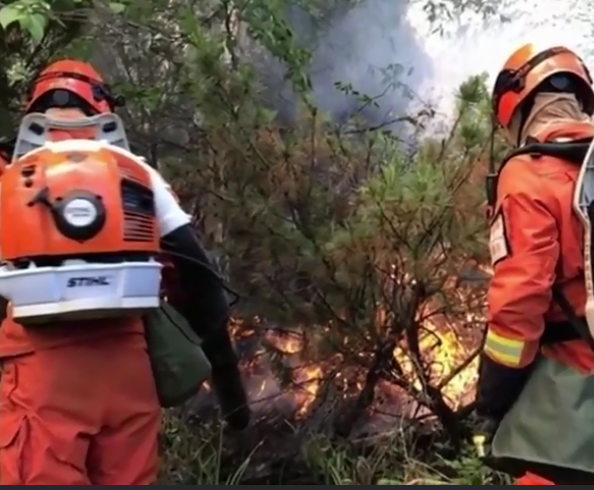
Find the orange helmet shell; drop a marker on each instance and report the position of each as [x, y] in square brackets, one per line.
[77, 77]
[526, 69]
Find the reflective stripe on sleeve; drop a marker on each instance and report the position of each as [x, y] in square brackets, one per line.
[504, 350]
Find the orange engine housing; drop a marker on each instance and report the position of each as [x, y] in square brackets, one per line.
[47, 190]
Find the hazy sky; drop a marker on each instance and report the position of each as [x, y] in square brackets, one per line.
[385, 49]
[470, 46]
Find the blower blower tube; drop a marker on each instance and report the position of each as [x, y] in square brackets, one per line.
[207, 311]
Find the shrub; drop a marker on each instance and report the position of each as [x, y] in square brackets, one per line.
[367, 246]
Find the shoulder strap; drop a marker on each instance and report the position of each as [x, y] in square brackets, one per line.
[577, 323]
[572, 151]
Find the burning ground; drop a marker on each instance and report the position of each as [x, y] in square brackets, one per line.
[379, 392]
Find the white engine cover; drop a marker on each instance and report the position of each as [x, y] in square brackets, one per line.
[81, 291]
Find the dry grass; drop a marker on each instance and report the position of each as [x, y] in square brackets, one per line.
[197, 457]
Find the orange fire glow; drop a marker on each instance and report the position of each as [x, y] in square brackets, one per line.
[448, 348]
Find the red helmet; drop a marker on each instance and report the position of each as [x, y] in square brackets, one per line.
[72, 83]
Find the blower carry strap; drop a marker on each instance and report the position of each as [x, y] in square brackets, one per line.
[578, 324]
[573, 151]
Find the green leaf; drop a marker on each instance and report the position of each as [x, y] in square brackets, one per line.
[117, 7]
[35, 25]
[10, 14]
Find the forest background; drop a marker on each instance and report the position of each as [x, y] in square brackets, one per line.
[348, 216]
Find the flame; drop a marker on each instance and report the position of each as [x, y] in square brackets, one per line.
[446, 345]
[291, 342]
[308, 381]
[239, 329]
[444, 354]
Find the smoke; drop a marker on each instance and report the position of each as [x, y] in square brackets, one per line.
[470, 45]
[375, 50]
[387, 50]
[370, 50]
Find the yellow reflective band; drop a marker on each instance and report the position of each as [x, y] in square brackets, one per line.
[507, 351]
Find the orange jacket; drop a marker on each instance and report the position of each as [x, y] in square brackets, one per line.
[536, 241]
[82, 133]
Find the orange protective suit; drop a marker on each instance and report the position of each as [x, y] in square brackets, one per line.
[78, 403]
[532, 479]
[537, 360]
[536, 241]
[77, 407]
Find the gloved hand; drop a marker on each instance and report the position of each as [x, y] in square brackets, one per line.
[498, 389]
[226, 379]
[231, 395]
[484, 428]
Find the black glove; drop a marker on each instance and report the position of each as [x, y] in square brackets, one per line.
[483, 431]
[232, 397]
[498, 387]
[226, 380]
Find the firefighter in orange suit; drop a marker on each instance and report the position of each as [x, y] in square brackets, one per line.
[537, 361]
[79, 406]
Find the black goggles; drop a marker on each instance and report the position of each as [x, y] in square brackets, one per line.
[63, 99]
[560, 82]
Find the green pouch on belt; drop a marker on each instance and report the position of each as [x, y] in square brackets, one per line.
[178, 362]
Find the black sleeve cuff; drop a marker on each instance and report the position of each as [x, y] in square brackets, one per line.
[498, 387]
